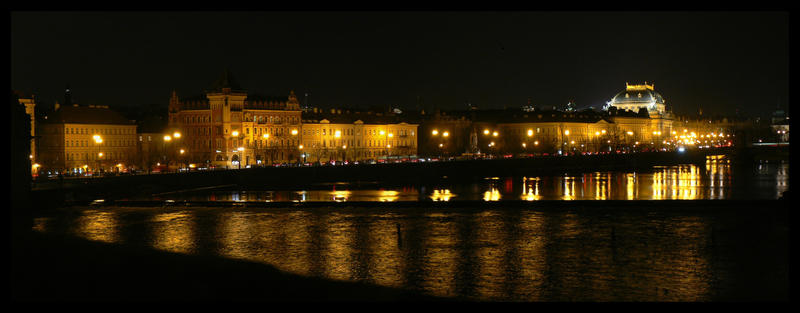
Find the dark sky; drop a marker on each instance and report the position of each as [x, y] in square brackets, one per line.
[720, 61]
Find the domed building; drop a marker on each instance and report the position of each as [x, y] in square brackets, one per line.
[635, 97]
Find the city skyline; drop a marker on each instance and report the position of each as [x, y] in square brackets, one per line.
[720, 62]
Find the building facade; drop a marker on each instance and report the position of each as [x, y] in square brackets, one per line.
[226, 127]
[79, 139]
[356, 136]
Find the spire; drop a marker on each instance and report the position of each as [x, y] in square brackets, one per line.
[226, 81]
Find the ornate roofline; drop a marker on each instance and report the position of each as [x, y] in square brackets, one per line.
[639, 87]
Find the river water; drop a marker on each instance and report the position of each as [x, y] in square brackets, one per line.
[495, 253]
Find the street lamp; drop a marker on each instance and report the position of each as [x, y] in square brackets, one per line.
[97, 140]
[241, 150]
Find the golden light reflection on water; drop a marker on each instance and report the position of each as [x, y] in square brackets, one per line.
[440, 255]
[340, 195]
[489, 255]
[490, 272]
[295, 253]
[387, 195]
[174, 232]
[532, 262]
[493, 194]
[441, 195]
[386, 263]
[339, 251]
[568, 188]
[235, 233]
[530, 188]
[98, 226]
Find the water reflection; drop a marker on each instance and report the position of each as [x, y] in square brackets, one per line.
[173, 231]
[714, 180]
[492, 254]
[97, 226]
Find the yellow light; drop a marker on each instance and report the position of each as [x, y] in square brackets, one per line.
[524, 145]
[536, 143]
[119, 164]
[167, 138]
[530, 132]
[572, 142]
[35, 165]
[441, 145]
[266, 136]
[240, 149]
[435, 132]
[388, 146]
[445, 134]
[382, 132]
[392, 135]
[685, 130]
[176, 135]
[235, 133]
[301, 147]
[485, 131]
[603, 131]
[630, 133]
[337, 134]
[294, 132]
[494, 134]
[85, 166]
[182, 151]
[192, 165]
[566, 132]
[344, 147]
[97, 139]
[100, 154]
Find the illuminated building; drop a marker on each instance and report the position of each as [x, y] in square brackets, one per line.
[636, 97]
[28, 100]
[227, 127]
[356, 136]
[86, 138]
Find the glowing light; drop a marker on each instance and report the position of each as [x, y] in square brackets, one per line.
[435, 132]
[240, 148]
[382, 132]
[494, 134]
[176, 135]
[266, 136]
[566, 132]
[235, 133]
[392, 135]
[294, 132]
[337, 134]
[182, 151]
[444, 134]
[485, 131]
[167, 138]
[300, 147]
[530, 132]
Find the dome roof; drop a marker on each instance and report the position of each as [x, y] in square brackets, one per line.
[630, 97]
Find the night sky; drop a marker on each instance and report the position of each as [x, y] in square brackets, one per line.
[718, 61]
